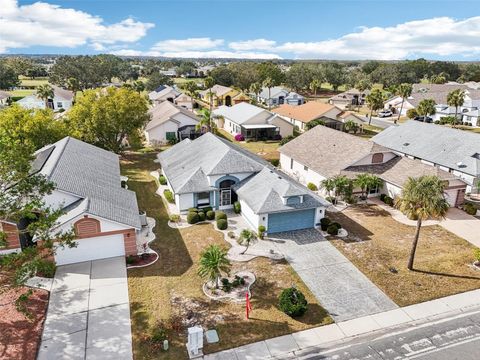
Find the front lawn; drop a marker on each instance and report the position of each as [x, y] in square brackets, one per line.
[265, 149]
[380, 246]
[169, 292]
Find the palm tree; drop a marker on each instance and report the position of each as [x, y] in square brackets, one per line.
[206, 121]
[256, 88]
[209, 82]
[246, 237]
[191, 88]
[404, 91]
[456, 98]
[213, 262]
[328, 185]
[138, 86]
[422, 198]
[268, 83]
[426, 107]
[362, 181]
[375, 102]
[350, 125]
[45, 92]
[315, 85]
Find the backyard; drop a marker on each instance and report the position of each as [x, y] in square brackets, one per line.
[265, 149]
[168, 293]
[379, 246]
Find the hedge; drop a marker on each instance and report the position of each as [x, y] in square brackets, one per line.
[220, 215]
[222, 224]
[292, 302]
[210, 215]
[193, 218]
[169, 196]
[470, 209]
[162, 180]
[201, 216]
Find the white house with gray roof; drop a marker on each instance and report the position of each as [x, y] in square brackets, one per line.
[213, 172]
[278, 96]
[62, 100]
[103, 214]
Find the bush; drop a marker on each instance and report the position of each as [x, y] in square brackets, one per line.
[238, 281]
[192, 210]
[286, 139]
[158, 334]
[388, 200]
[336, 224]
[312, 186]
[382, 197]
[261, 231]
[237, 207]
[226, 285]
[210, 215]
[162, 180]
[220, 215]
[46, 268]
[324, 223]
[130, 259]
[331, 199]
[275, 162]
[169, 196]
[207, 209]
[193, 218]
[174, 218]
[476, 254]
[411, 113]
[231, 235]
[470, 209]
[222, 224]
[332, 230]
[201, 216]
[239, 137]
[292, 302]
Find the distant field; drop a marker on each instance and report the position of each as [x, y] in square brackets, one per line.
[34, 82]
[21, 93]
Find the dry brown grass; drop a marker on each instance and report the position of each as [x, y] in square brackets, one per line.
[265, 149]
[170, 290]
[377, 243]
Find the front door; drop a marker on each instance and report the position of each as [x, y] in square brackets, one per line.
[226, 197]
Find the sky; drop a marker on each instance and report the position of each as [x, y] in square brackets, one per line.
[255, 29]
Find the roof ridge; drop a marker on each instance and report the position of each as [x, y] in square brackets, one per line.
[68, 138]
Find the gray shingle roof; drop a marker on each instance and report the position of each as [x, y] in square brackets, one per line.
[435, 143]
[164, 112]
[93, 174]
[241, 112]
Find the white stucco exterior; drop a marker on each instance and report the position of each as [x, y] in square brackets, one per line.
[158, 134]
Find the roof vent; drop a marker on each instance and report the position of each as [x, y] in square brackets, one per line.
[461, 164]
[280, 177]
[476, 156]
[406, 144]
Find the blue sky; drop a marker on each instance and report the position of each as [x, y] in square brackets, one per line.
[249, 28]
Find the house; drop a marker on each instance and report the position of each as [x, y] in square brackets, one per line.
[252, 122]
[222, 95]
[322, 153]
[163, 93]
[184, 101]
[471, 117]
[349, 98]
[5, 97]
[452, 150]
[172, 72]
[103, 215]
[345, 116]
[277, 96]
[300, 115]
[213, 172]
[62, 100]
[169, 122]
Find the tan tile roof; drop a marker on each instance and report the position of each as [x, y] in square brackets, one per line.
[305, 113]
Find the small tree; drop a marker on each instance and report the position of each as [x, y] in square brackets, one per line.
[191, 89]
[404, 91]
[315, 85]
[456, 98]
[45, 92]
[246, 237]
[214, 262]
[411, 113]
[351, 125]
[268, 83]
[375, 102]
[426, 107]
[256, 88]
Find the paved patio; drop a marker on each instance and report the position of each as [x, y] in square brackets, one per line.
[343, 290]
[88, 314]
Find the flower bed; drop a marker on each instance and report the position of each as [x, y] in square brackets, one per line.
[236, 293]
[141, 260]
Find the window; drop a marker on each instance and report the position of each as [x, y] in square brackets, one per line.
[291, 163]
[59, 105]
[203, 198]
[373, 191]
[170, 135]
[377, 158]
[305, 168]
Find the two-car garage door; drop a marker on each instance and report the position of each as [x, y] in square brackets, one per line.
[289, 221]
[91, 249]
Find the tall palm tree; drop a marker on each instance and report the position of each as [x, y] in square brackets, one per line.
[206, 122]
[315, 85]
[422, 198]
[456, 98]
[268, 83]
[45, 92]
[256, 88]
[328, 185]
[209, 82]
[426, 107]
[191, 88]
[404, 91]
[213, 262]
[375, 102]
[362, 181]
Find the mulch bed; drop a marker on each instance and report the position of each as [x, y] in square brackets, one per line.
[142, 260]
[19, 335]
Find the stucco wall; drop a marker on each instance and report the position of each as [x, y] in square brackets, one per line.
[159, 133]
[286, 128]
[299, 173]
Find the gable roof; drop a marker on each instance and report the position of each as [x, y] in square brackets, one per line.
[274, 92]
[4, 95]
[164, 112]
[441, 145]
[305, 113]
[155, 95]
[92, 174]
[349, 95]
[62, 93]
[240, 113]
[218, 90]
[328, 151]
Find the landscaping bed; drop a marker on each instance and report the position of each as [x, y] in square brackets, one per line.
[168, 296]
[380, 246]
[141, 260]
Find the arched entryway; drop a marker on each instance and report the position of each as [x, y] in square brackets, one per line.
[227, 195]
[228, 100]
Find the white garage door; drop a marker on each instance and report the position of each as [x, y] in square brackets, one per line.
[91, 249]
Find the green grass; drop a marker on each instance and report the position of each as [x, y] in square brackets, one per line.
[21, 92]
[265, 149]
[33, 82]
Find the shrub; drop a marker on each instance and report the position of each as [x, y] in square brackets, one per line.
[130, 259]
[388, 200]
[174, 218]
[238, 281]
[286, 139]
[220, 215]
[324, 223]
[237, 207]
[275, 162]
[312, 186]
[192, 210]
[207, 209]
[169, 196]
[239, 137]
[231, 235]
[292, 302]
[201, 216]
[470, 209]
[222, 224]
[331, 199]
[336, 224]
[210, 215]
[411, 113]
[158, 334]
[382, 197]
[332, 230]
[261, 231]
[46, 268]
[476, 254]
[226, 285]
[162, 180]
[193, 218]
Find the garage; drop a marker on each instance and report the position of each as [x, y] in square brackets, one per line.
[92, 249]
[292, 220]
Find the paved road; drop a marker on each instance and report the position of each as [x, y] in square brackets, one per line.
[379, 122]
[343, 290]
[456, 338]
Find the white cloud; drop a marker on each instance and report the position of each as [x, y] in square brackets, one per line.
[257, 44]
[43, 24]
[187, 44]
[212, 54]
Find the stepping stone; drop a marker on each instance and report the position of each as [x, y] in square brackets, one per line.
[212, 336]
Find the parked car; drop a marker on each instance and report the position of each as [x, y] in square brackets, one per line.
[385, 113]
[426, 119]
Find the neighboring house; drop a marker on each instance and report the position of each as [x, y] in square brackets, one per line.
[252, 122]
[169, 72]
[62, 100]
[345, 116]
[300, 115]
[213, 172]
[104, 216]
[349, 98]
[169, 122]
[471, 118]
[222, 95]
[163, 93]
[184, 101]
[452, 150]
[4, 98]
[278, 96]
[322, 153]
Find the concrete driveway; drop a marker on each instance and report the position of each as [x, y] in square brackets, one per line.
[463, 225]
[343, 290]
[88, 315]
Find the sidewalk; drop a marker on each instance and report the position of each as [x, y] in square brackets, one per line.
[341, 331]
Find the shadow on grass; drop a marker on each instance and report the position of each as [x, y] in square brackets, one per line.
[356, 231]
[446, 275]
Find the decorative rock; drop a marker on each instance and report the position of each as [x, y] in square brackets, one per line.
[342, 233]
